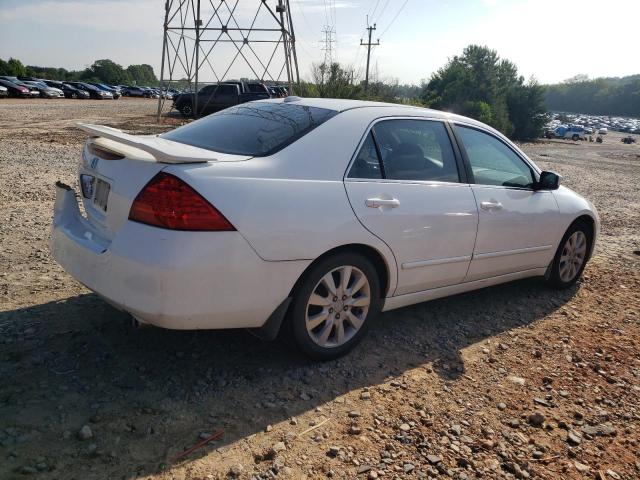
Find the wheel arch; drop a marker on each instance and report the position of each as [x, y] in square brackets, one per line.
[590, 222]
[369, 252]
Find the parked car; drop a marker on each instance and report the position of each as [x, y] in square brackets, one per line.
[45, 90]
[133, 92]
[15, 89]
[114, 93]
[69, 91]
[573, 132]
[4, 91]
[312, 216]
[603, 131]
[94, 92]
[213, 98]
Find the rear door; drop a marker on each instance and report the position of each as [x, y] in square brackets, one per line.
[225, 96]
[517, 225]
[405, 187]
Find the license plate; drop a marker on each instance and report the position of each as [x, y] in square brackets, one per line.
[102, 194]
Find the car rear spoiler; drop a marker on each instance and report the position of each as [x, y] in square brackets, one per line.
[162, 150]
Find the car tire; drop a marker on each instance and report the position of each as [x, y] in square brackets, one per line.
[326, 321]
[571, 257]
[186, 110]
[575, 138]
[74, 95]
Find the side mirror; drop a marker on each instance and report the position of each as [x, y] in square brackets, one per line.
[548, 181]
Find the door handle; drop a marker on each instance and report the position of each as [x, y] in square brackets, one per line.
[382, 202]
[491, 206]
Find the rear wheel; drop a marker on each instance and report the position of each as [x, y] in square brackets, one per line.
[334, 305]
[571, 256]
[186, 110]
[575, 137]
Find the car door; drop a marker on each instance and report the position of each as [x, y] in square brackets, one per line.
[206, 101]
[405, 187]
[517, 224]
[226, 96]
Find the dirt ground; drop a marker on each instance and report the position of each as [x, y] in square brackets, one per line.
[515, 381]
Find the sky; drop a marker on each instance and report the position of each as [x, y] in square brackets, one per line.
[546, 39]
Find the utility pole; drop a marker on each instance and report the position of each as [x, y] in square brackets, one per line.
[369, 45]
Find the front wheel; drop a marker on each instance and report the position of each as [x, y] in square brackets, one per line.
[334, 305]
[575, 138]
[571, 256]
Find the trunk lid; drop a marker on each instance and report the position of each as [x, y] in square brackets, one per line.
[119, 165]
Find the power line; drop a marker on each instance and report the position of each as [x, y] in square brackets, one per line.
[394, 18]
[382, 11]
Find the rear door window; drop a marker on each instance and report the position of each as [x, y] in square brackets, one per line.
[409, 150]
[256, 128]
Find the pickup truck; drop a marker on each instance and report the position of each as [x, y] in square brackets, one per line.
[213, 98]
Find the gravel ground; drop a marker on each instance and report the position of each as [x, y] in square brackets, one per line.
[514, 381]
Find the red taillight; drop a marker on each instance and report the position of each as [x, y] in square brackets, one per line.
[168, 202]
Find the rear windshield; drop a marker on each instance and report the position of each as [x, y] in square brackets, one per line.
[256, 129]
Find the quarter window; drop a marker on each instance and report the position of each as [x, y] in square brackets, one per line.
[492, 162]
[410, 150]
[366, 164]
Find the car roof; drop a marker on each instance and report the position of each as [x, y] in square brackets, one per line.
[394, 109]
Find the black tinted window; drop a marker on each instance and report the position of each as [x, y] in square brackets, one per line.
[366, 164]
[227, 90]
[256, 129]
[416, 150]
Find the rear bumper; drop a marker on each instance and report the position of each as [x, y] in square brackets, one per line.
[171, 279]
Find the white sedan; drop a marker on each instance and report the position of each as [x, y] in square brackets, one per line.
[310, 216]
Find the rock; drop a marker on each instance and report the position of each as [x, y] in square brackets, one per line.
[355, 430]
[405, 427]
[363, 469]
[537, 454]
[613, 474]
[581, 467]
[85, 433]
[516, 380]
[304, 396]
[536, 419]
[365, 396]
[373, 475]
[333, 451]
[434, 459]
[573, 438]
[541, 401]
[236, 470]
[354, 414]
[279, 447]
[408, 467]
[501, 406]
[514, 423]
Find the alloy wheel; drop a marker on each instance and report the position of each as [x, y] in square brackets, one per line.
[573, 256]
[338, 306]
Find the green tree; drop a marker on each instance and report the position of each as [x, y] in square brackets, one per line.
[106, 71]
[15, 67]
[142, 74]
[481, 85]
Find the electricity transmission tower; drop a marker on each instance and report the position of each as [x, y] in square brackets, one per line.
[327, 46]
[369, 45]
[327, 43]
[211, 41]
